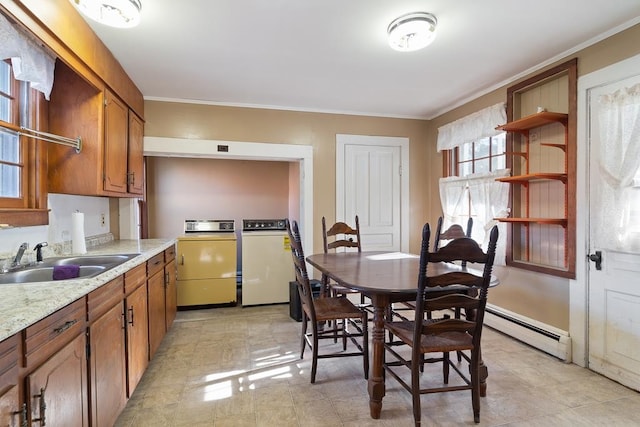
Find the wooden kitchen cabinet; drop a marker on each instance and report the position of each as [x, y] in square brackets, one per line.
[110, 162]
[171, 289]
[107, 353]
[11, 413]
[137, 326]
[135, 159]
[156, 289]
[55, 358]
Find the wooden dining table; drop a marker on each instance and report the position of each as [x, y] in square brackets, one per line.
[384, 277]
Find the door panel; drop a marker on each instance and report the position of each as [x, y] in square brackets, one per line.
[369, 185]
[614, 295]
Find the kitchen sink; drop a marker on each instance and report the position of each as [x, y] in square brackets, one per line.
[45, 274]
[81, 260]
[90, 266]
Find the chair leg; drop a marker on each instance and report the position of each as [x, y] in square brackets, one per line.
[415, 393]
[314, 352]
[475, 386]
[303, 341]
[445, 367]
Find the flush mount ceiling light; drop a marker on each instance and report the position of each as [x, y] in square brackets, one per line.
[412, 31]
[114, 13]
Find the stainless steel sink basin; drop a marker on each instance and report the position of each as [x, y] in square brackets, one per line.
[103, 260]
[45, 274]
[90, 266]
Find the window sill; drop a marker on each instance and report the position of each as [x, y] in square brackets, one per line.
[10, 217]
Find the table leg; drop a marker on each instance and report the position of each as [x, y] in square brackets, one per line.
[376, 376]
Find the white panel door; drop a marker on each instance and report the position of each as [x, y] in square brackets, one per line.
[370, 184]
[614, 289]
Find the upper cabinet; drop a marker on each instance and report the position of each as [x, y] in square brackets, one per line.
[541, 138]
[111, 140]
[92, 98]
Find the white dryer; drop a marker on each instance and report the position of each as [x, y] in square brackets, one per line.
[267, 267]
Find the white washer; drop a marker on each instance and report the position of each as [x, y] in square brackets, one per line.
[267, 267]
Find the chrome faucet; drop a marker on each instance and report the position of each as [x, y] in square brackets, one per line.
[16, 261]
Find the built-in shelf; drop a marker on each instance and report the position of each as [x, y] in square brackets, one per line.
[527, 221]
[534, 121]
[523, 179]
[563, 147]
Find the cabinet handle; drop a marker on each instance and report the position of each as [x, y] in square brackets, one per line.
[182, 259]
[23, 415]
[130, 316]
[124, 320]
[166, 279]
[66, 326]
[43, 408]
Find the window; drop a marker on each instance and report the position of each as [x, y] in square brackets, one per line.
[484, 155]
[471, 190]
[22, 193]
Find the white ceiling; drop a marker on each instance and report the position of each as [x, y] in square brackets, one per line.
[332, 55]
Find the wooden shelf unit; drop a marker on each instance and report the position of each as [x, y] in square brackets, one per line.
[533, 193]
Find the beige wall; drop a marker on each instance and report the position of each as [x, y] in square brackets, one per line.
[195, 121]
[541, 297]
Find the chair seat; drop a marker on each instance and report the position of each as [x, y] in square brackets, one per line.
[334, 309]
[443, 342]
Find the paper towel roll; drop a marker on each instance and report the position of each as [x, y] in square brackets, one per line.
[77, 233]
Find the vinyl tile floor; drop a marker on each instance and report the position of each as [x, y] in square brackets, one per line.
[240, 367]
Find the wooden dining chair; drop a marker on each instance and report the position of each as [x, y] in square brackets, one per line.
[345, 319]
[444, 335]
[341, 236]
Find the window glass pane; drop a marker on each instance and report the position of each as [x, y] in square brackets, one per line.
[481, 166]
[9, 147]
[498, 144]
[481, 148]
[498, 162]
[9, 181]
[465, 151]
[465, 169]
[5, 89]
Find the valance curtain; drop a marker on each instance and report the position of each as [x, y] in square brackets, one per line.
[30, 61]
[489, 200]
[619, 164]
[481, 124]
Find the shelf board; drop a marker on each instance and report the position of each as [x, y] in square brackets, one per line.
[534, 121]
[533, 177]
[527, 221]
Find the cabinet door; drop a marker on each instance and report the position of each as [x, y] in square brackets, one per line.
[135, 163]
[116, 123]
[171, 293]
[107, 367]
[57, 390]
[157, 325]
[10, 414]
[137, 337]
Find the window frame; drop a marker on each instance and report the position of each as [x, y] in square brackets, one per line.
[31, 207]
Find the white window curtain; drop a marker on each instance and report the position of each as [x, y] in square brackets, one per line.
[489, 200]
[30, 61]
[481, 124]
[619, 163]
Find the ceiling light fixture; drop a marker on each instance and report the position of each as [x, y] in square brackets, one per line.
[114, 13]
[412, 31]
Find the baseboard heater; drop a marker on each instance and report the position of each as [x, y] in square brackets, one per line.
[546, 338]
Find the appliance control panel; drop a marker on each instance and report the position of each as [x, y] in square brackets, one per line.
[263, 224]
[209, 225]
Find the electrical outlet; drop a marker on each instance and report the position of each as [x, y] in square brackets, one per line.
[534, 136]
[102, 220]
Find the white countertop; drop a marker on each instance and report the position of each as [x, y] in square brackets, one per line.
[23, 304]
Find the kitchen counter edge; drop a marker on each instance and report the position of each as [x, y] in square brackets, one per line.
[23, 304]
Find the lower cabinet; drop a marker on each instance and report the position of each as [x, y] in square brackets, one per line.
[57, 390]
[137, 325]
[11, 410]
[78, 366]
[107, 355]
